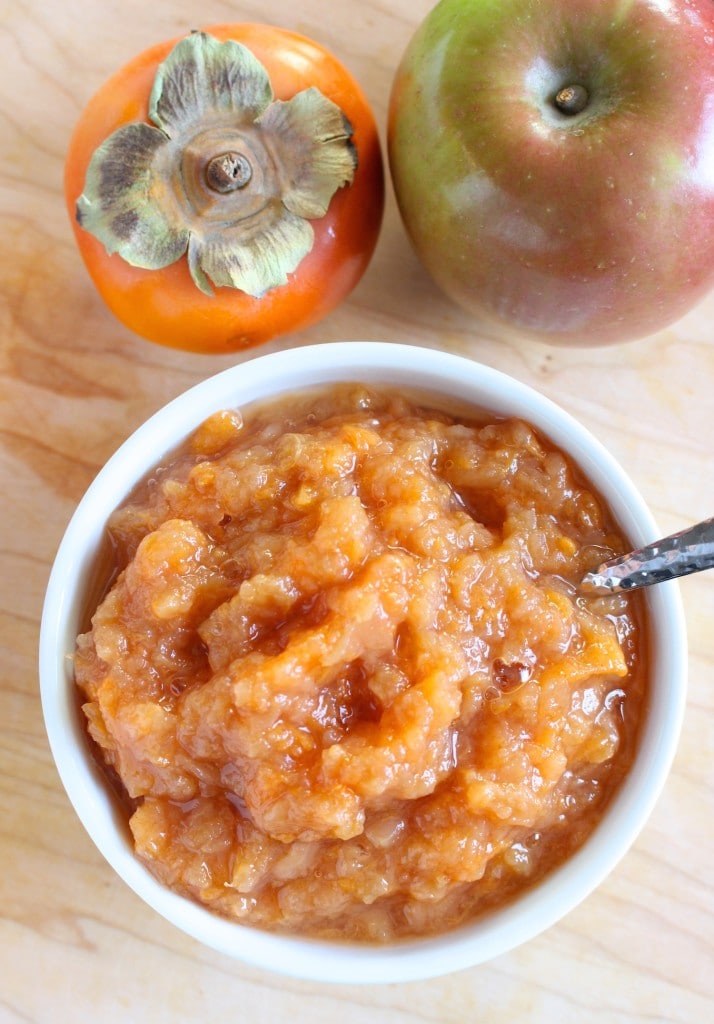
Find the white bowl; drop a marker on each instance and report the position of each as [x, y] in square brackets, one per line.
[66, 604]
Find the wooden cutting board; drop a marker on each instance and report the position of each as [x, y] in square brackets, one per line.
[75, 944]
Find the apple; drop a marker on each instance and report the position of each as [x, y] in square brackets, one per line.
[553, 161]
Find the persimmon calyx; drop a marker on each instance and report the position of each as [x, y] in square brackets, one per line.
[224, 173]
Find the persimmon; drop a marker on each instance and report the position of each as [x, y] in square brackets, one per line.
[226, 188]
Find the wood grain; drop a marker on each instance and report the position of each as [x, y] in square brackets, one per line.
[75, 944]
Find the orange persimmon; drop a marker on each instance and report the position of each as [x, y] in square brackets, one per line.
[189, 288]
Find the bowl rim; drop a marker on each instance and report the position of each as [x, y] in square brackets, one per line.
[444, 374]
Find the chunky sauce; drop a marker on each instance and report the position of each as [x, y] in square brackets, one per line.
[342, 673]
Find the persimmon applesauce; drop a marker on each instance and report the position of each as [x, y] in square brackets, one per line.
[341, 674]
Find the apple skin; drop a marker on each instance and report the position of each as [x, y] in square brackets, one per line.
[586, 228]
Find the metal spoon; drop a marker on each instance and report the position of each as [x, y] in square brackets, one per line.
[677, 555]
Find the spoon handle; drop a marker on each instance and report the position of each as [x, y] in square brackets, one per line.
[677, 555]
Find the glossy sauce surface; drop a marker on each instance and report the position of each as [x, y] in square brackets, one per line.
[343, 675]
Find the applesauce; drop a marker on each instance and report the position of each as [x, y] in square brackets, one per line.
[341, 675]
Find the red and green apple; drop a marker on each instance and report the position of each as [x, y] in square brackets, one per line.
[553, 161]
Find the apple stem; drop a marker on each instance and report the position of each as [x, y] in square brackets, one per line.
[572, 99]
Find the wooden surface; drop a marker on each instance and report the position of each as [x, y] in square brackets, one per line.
[75, 944]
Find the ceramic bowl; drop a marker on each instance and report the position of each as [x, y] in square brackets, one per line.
[73, 580]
